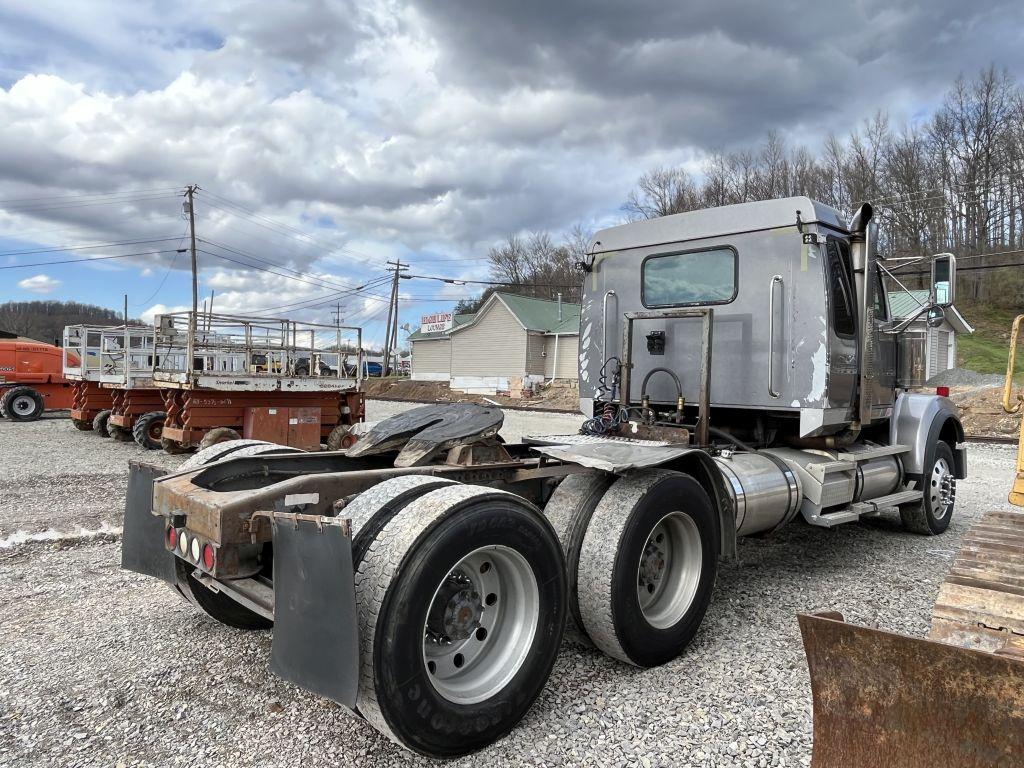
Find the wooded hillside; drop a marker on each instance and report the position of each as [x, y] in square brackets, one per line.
[45, 320]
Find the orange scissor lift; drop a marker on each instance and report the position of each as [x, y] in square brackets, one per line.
[225, 377]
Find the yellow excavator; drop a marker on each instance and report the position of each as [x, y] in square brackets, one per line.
[954, 699]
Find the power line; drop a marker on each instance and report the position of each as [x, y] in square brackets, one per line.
[60, 248]
[91, 258]
[123, 193]
[72, 205]
[285, 230]
[297, 272]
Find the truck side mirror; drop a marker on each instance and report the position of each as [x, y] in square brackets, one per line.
[944, 279]
[935, 316]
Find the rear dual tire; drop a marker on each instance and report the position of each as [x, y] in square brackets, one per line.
[486, 568]
[646, 560]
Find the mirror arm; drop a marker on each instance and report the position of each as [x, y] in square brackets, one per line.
[905, 322]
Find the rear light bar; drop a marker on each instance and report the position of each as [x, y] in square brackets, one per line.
[188, 546]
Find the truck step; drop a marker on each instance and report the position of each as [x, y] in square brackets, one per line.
[820, 470]
[832, 519]
[886, 502]
[873, 452]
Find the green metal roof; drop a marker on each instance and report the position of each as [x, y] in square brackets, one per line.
[533, 314]
[457, 321]
[542, 314]
[902, 303]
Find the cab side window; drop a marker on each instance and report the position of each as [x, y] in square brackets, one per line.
[840, 288]
[881, 305]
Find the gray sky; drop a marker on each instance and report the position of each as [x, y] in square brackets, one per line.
[426, 129]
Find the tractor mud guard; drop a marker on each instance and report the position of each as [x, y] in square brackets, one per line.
[142, 540]
[883, 700]
[316, 639]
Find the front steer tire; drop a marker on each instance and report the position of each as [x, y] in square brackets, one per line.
[931, 516]
[623, 557]
[413, 558]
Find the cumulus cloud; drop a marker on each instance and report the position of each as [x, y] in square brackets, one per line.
[42, 284]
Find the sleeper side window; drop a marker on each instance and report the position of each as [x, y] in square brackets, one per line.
[840, 290]
[706, 276]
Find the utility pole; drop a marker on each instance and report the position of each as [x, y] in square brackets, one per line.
[337, 315]
[190, 194]
[391, 329]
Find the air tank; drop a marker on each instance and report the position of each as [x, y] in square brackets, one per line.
[765, 492]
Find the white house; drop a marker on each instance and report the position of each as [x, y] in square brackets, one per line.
[510, 337]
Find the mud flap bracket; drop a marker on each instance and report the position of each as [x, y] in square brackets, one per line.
[316, 640]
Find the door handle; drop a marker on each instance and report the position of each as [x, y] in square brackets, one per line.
[771, 335]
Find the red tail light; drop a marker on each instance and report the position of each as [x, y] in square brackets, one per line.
[172, 537]
[942, 391]
[209, 557]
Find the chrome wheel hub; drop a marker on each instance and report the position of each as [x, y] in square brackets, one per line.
[941, 489]
[481, 624]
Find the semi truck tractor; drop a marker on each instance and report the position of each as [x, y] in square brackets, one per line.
[738, 369]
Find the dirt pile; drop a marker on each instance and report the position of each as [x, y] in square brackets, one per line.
[555, 397]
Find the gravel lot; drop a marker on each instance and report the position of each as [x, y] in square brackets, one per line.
[103, 667]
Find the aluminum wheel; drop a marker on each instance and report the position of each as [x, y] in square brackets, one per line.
[669, 570]
[941, 489]
[481, 624]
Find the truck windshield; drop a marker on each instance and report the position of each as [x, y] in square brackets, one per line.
[694, 277]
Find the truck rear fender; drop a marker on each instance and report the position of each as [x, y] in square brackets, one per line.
[702, 468]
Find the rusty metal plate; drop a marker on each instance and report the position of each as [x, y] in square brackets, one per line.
[883, 700]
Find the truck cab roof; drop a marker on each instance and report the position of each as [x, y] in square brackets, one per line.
[712, 222]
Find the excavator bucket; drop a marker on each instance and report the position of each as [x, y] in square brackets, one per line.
[954, 699]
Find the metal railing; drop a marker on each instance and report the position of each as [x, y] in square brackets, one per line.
[247, 348]
[114, 354]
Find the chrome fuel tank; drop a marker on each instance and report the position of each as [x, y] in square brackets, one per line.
[765, 492]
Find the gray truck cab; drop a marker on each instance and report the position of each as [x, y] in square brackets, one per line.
[799, 352]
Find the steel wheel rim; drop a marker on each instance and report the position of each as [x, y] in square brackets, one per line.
[941, 489]
[669, 571]
[22, 404]
[474, 646]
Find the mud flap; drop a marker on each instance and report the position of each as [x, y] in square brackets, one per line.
[883, 700]
[142, 540]
[316, 640]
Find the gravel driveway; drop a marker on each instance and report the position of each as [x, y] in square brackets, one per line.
[103, 667]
